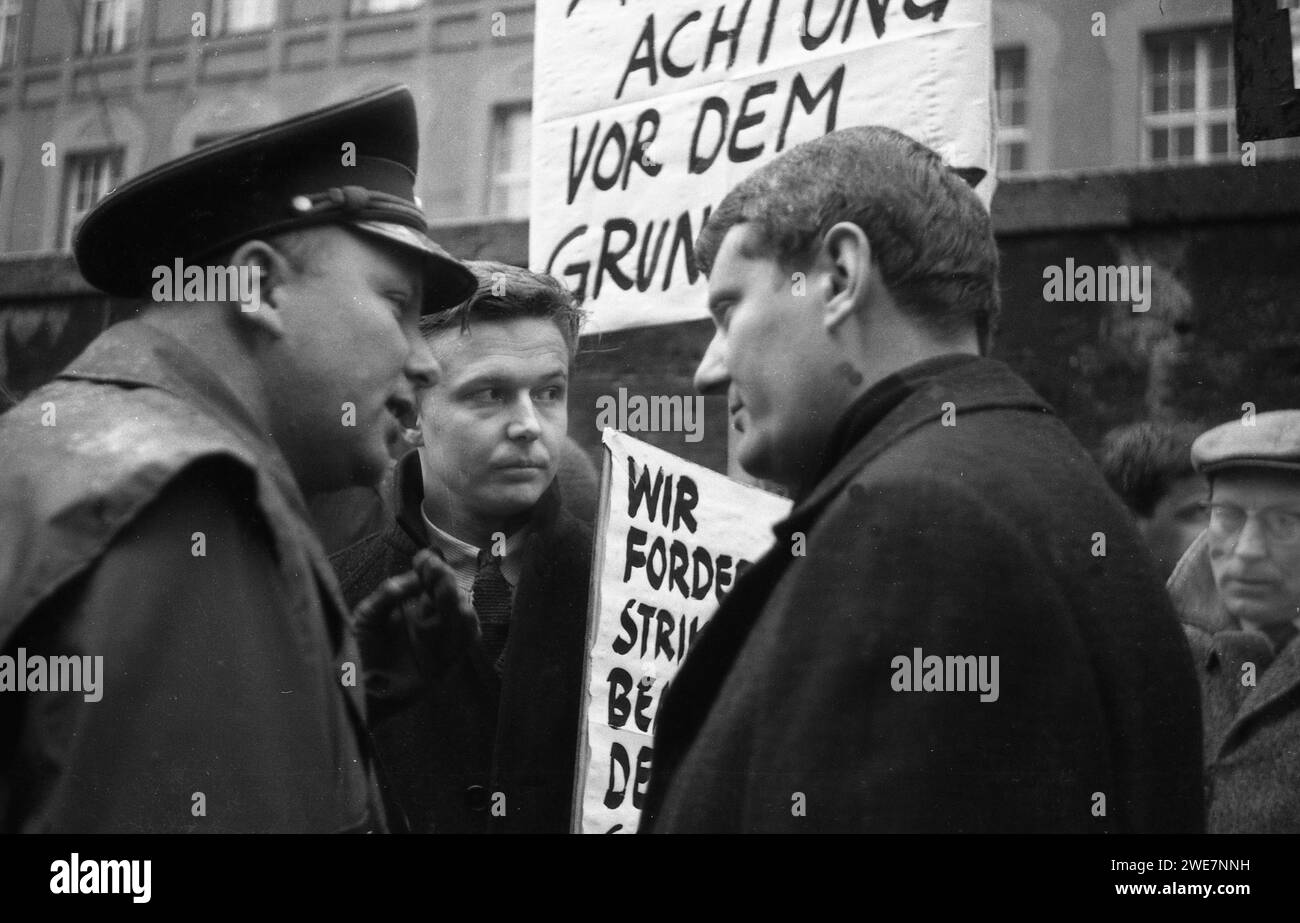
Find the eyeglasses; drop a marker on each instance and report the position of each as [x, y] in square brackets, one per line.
[1280, 525]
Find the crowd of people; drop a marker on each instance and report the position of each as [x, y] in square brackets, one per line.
[335, 550]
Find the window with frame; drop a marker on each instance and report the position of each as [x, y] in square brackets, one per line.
[10, 11]
[88, 177]
[375, 7]
[240, 17]
[1010, 78]
[1189, 110]
[511, 152]
[110, 26]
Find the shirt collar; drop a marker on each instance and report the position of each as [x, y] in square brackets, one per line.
[462, 555]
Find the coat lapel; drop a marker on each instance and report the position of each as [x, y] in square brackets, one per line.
[1196, 598]
[970, 386]
[1195, 595]
[339, 621]
[982, 384]
[691, 693]
[1276, 681]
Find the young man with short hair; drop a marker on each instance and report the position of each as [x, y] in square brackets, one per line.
[491, 745]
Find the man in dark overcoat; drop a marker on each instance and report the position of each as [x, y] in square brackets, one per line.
[958, 629]
[490, 744]
[152, 495]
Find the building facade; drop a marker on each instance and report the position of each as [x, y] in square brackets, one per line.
[96, 91]
[1118, 84]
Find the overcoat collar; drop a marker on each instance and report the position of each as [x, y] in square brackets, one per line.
[972, 384]
[968, 383]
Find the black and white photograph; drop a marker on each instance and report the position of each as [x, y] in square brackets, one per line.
[650, 416]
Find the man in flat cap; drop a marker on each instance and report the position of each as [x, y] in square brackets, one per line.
[177, 651]
[1238, 592]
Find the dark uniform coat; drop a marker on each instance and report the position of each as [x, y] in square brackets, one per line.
[474, 735]
[973, 539]
[144, 519]
[1251, 697]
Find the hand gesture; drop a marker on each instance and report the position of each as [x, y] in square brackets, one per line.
[410, 630]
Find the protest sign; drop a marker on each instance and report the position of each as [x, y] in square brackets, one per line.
[671, 540]
[646, 114]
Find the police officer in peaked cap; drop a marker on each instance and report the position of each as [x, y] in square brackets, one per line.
[152, 495]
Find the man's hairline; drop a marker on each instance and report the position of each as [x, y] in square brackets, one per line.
[756, 245]
[461, 329]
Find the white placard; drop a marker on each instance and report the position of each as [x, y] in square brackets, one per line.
[646, 112]
[671, 539]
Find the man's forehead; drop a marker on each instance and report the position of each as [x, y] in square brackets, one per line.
[740, 259]
[1261, 485]
[742, 243]
[382, 255]
[335, 249]
[508, 345]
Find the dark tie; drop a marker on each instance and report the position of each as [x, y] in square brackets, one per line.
[492, 603]
[1280, 635]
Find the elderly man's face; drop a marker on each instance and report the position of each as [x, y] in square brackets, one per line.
[1254, 537]
[770, 354]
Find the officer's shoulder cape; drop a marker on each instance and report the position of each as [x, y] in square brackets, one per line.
[79, 460]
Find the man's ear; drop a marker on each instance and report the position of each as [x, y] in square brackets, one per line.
[265, 270]
[845, 257]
